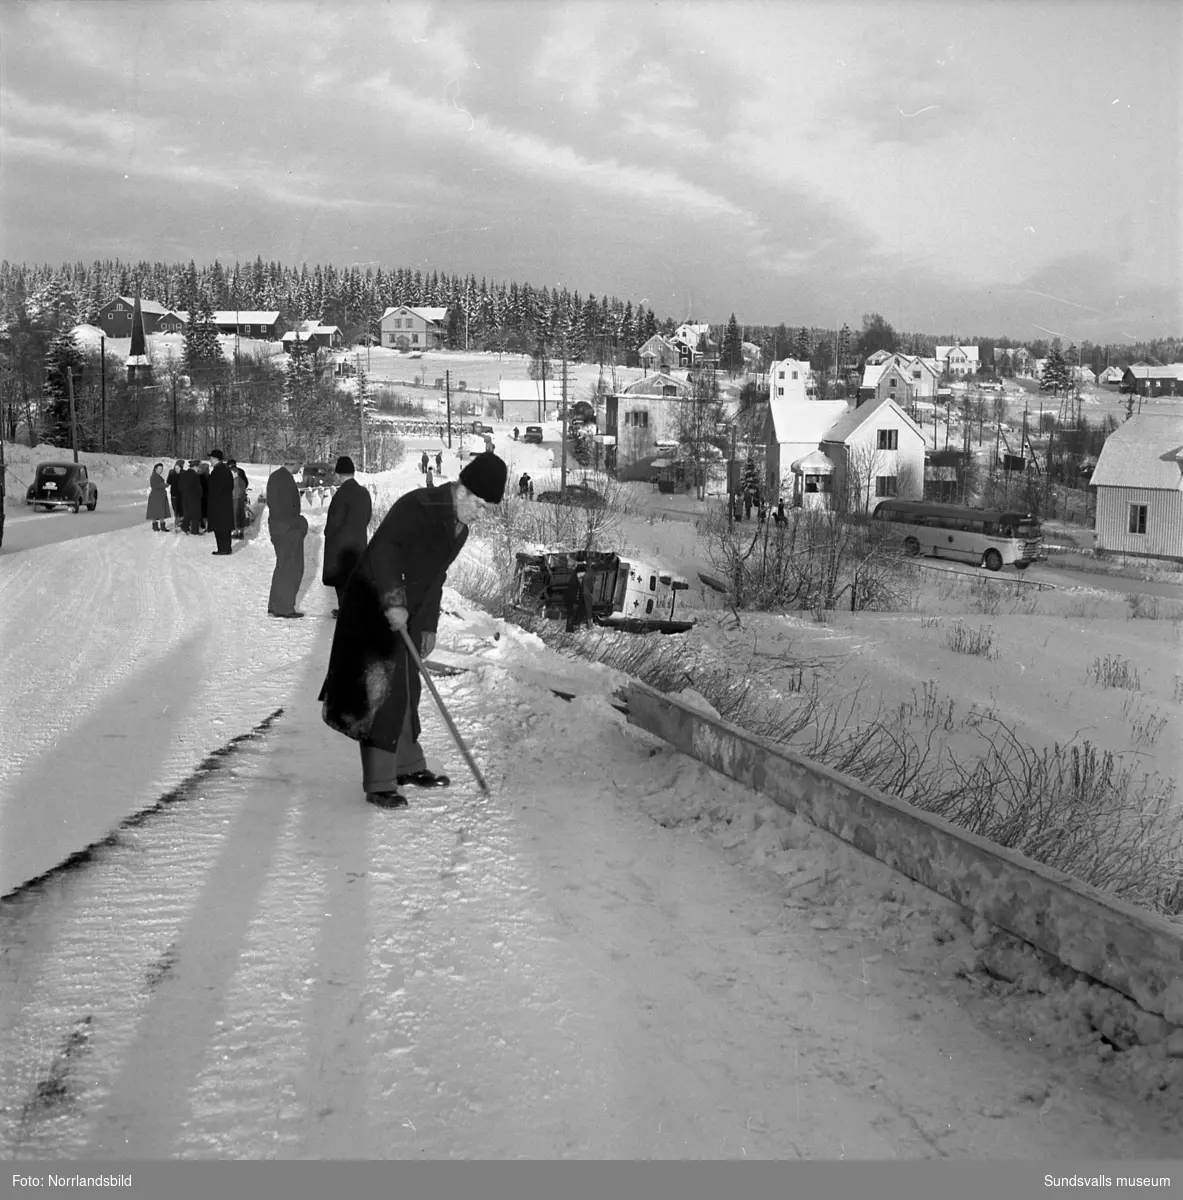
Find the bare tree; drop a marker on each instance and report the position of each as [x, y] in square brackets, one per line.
[697, 425]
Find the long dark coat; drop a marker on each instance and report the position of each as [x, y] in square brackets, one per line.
[173, 479]
[346, 528]
[220, 506]
[203, 479]
[158, 509]
[368, 685]
[189, 485]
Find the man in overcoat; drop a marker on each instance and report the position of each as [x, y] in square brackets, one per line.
[173, 479]
[189, 485]
[221, 502]
[346, 529]
[371, 690]
[288, 527]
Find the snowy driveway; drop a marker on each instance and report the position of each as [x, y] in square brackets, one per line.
[268, 967]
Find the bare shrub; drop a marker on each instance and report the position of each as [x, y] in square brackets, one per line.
[1113, 672]
[815, 561]
[1153, 608]
[963, 640]
[1082, 610]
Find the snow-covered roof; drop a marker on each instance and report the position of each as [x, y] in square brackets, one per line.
[529, 389]
[854, 418]
[424, 314]
[245, 316]
[873, 373]
[1170, 371]
[656, 342]
[652, 385]
[803, 420]
[970, 352]
[814, 463]
[1143, 453]
[148, 306]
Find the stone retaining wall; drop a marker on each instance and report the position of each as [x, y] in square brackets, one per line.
[1138, 953]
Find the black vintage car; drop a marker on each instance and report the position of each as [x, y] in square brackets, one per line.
[62, 485]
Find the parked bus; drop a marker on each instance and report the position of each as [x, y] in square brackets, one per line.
[988, 537]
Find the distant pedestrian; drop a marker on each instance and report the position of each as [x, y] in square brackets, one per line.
[189, 485]
[173, 479]
[203, 479]
[530, 489]
[158, 507]
[439, 462]
[241, 484]
[221, 502]
[423, 464]
[430, 478]
[523, 486]
[288, 528]
[779, 516]
[515, 433]
[371, 689]
[347, 528]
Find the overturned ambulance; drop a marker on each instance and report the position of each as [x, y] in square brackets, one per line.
[636, 596]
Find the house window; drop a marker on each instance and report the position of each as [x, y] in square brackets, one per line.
[1137, 518]
[889, 438]
[794, 374]
[891, 384]
[414, 337]
[780, 391]
[915, 374]
[885, 485]
[668, 389]
[780, 374]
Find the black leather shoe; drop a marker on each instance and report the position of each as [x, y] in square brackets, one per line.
[289, 616]
[424, 779]
[386, 799]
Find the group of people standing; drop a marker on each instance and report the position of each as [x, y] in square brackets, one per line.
[200, 499]
[525, 487]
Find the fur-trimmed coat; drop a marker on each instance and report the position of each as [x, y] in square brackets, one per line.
[370, 681]
[346, 528]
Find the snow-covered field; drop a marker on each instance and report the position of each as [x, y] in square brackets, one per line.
[616, 953]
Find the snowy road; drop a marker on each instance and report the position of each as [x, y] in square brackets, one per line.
[641, 960]
[269, 968]
[26, 530]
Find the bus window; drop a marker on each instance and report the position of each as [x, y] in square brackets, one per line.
[991, 529]
[653, 583]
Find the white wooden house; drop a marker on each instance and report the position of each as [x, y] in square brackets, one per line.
[1139, 482]
[878, 452]
[406, 328]
[787, 379]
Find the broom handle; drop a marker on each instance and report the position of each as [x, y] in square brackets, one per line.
[443, 711]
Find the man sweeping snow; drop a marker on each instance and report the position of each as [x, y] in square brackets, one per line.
[371, 690]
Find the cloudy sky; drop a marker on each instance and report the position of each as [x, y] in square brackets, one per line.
[988, 168]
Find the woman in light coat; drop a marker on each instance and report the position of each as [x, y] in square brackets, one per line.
[158, 507]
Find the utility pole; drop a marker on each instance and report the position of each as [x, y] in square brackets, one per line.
[103, 394]
[73, 414]
[731, 483]
[176, 440]
[563, 433]
[542, 402]
[448, 400]
[361, 411]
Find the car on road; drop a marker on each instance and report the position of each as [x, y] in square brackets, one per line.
[62, 485]
[481, 427]
[578, 494]
[533, 434]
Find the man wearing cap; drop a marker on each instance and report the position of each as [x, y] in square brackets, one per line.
[371, 690]
[346, 528]
[221, 501]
